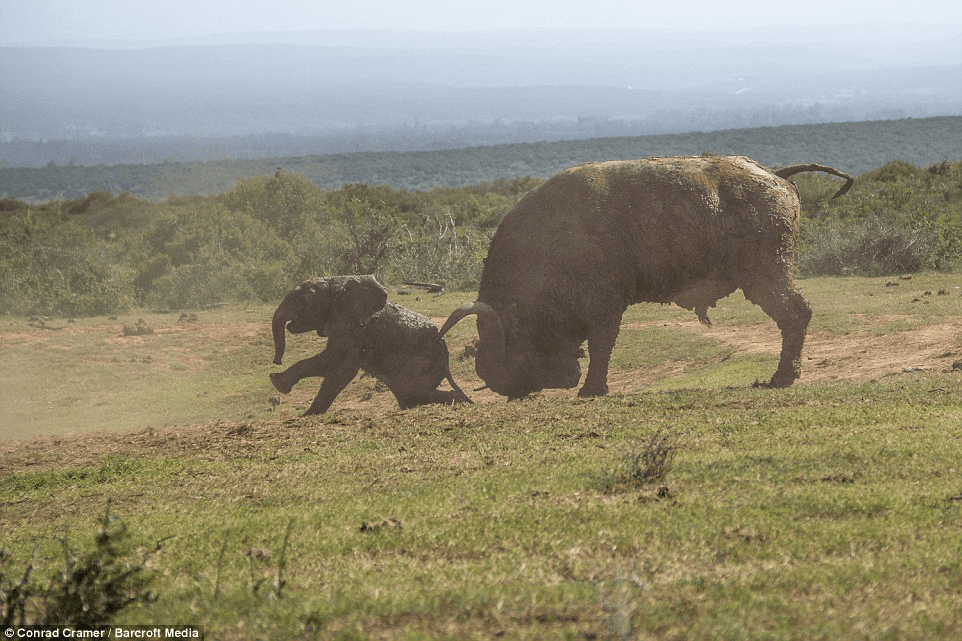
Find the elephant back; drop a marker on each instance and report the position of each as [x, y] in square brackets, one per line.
[402, 349]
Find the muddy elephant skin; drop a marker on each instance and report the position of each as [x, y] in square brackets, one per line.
[575, 252]
[398, 346]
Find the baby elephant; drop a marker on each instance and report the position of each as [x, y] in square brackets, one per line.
[399, 347]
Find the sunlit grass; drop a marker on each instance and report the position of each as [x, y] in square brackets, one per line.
[818, 504]
[824, 510]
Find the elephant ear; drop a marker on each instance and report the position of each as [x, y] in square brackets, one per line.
[355, 300]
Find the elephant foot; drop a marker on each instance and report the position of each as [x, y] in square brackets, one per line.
[591, 391]
[277, 380]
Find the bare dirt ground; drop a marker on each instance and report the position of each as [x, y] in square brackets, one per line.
[855, 357]
[826, 357]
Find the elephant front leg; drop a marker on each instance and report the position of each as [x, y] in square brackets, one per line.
[318, 365]
[601, 341]
[333, 384]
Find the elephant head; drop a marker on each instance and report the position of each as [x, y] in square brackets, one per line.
[329, 306]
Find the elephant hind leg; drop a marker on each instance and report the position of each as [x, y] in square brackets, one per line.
[410, 395]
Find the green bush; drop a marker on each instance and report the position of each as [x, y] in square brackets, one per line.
[103, 253]
[49, 265]
[372, 226]
[211, 276]
[286, 202]
[83, 205]
[897, 218]
[441, 251]
[89, 591]
[869, 247]
[205, 253]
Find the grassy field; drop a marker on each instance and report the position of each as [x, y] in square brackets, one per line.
[830, 510]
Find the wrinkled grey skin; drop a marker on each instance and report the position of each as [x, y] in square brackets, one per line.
[399, 347]
[574, 253]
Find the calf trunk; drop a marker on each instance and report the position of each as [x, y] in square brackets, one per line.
[278, 326]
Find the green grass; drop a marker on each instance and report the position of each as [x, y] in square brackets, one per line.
[821, 511]
[836, 507]
[643, 348]
[843, 305]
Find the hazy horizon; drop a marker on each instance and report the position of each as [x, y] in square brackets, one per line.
[48, 21]
[135, 80]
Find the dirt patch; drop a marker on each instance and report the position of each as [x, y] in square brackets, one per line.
[859, 356]
[219, 440]
[850, 357]
[864, 356]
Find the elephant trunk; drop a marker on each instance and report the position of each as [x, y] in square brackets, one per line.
[491, 363]
[278, 325]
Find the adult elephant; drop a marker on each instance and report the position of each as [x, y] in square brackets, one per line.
[575, 252]
[399, 347]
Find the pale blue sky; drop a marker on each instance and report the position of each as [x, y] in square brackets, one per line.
[24, 21]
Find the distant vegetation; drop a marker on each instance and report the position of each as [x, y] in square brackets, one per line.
[104, 253]
[898, 218]
[854, 147]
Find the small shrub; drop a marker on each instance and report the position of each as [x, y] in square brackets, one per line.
[939, 168]
[643, 467]
[870, 247]
[441, 251]
[89, 591]
[275, 588]
[372, 227]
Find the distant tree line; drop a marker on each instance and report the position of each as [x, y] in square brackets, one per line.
[157, 149]
[854, 147]
[104, 253]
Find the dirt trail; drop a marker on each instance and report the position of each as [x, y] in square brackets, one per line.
[851, 357]
[859, 356]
